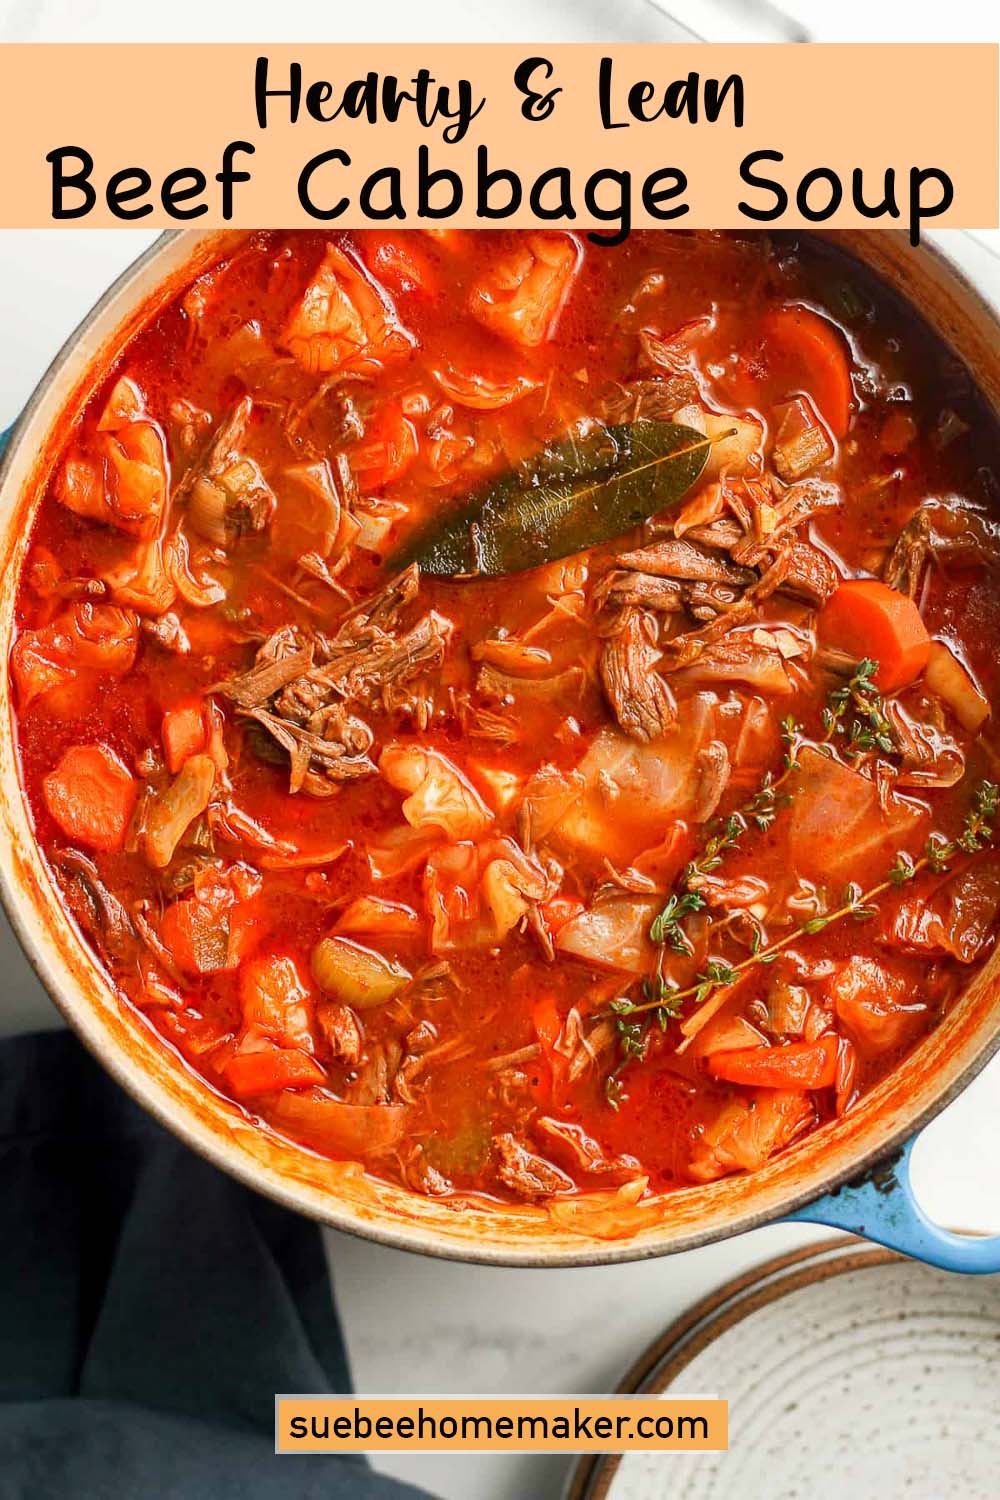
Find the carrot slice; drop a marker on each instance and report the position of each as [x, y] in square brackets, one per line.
[802, 1065]
[810, 354]
[866, 618]
[183, 733]
[91, 795]
[547, 1022]
[270, 1069]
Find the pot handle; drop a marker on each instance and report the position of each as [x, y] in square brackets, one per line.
[881, 1206]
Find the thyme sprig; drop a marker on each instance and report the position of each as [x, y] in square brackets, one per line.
[633, 1043]
[978, 831]
[859, 905]
[868, 729]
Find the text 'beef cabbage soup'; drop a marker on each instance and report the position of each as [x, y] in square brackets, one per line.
[517, 713]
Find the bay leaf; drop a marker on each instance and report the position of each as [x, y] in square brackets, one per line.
[575, 495]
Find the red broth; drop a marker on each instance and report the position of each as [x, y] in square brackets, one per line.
[642, 861]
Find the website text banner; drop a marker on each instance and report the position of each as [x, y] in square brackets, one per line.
[511, 1424]
[574, 136]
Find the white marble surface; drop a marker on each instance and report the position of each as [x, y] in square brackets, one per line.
[417, 1325]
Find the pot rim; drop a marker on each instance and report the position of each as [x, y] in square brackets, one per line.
[66, 992]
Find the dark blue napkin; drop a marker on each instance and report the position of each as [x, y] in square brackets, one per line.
[150, 1307]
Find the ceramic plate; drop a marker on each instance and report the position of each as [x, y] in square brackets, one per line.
[849, 1372]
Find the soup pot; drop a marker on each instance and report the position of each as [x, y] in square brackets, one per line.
[852, 1173]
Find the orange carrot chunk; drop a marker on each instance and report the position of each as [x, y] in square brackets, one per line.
[183, 733]
[91, 795]
[809, 354]
[270, 1069]
[866, 618]
[801, 1065]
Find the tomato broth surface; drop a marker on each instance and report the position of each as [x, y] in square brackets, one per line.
[517, 713]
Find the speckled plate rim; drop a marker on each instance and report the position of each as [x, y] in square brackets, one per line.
[713, 1315]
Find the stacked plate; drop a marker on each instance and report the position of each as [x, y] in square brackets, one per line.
[849, 1372]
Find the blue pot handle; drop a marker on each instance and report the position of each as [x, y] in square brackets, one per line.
[881, 1207]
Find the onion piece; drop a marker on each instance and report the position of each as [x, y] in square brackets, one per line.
[439, 795]
[952, 681]
[346, 1130]
[477, 392]
[171, 812]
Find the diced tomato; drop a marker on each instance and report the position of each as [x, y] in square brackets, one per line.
[214, 928]
[270, 1069]
[560, 910]
[866, 618]
[398, 264]
[92, 796]
[183, 733]
[801, 1065]
[276, 1000]
[389, 448]
[748, 1132]
[871, 1004]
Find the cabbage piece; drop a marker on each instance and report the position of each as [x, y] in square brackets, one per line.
[748, 1132]
[94, 637]
[522, 296]
[119, 477]
[614, 934]
[338, 1129]
[960, 918]
[142, 580]
[373, 915]
[400, 850]
[308, 514]
[344, 319]
[476, 894]
[439, 795]
[479, 392]
[632, 793]
[872, 1006]
[837, 829]
[738, 441]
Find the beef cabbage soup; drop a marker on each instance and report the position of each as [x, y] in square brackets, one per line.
[517, 713]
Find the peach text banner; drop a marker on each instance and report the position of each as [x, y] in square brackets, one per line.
[512, 1424]
[159, 111]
